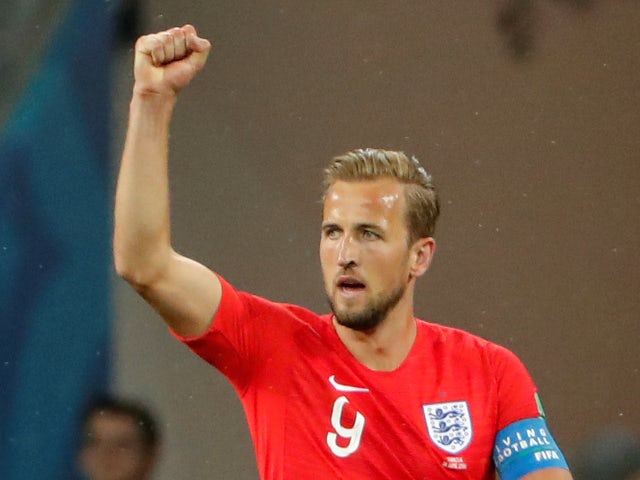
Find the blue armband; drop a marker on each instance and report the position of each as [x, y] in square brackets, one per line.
[524, 447]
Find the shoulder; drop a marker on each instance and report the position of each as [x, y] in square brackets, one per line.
[256, 307]
[461, 343]
[454, 337]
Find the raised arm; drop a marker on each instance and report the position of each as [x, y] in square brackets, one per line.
[185, 293]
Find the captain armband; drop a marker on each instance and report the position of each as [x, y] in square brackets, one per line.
[524, 447]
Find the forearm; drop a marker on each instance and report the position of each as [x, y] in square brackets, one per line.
[142, 243]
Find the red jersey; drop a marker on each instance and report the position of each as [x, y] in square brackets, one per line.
[315, 412]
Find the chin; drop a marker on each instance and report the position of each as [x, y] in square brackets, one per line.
[371, 315]
[361, 321]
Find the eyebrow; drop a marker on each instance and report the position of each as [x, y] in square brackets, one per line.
[372, 226]
[358, 226]
[326, 225]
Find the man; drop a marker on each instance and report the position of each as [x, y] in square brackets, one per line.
[120, 441]
[368, 392]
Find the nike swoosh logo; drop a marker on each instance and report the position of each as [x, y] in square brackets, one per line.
[345, 388]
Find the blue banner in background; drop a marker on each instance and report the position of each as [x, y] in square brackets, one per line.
[55, 231]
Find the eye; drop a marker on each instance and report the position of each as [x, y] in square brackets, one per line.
[370, 235]
[332, 233]
[90, 441]
[126, 444]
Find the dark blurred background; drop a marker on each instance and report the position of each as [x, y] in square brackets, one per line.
[527, 113]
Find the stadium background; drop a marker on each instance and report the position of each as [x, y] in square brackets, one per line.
[527, 114]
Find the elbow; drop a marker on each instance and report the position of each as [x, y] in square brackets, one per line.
[126, 269]
[140, 263]
[134, 269]
[123, 269]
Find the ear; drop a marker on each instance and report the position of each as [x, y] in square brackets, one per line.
[422, 253]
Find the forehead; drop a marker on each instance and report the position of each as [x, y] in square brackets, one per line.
[111, 424]
[382, 197]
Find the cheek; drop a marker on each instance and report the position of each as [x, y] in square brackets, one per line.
[327, 253]
[325, 261]
[393, 267]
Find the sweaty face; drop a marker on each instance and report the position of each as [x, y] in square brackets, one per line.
[114, 449]
[364, 251]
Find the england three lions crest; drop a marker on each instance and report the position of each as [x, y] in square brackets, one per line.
[449, 425]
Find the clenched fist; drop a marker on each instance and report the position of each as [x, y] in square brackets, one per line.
[165, 62]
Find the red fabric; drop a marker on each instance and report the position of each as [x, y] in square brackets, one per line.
[280, 357]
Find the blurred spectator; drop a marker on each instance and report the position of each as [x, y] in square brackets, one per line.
[120, 440]
[611, 454]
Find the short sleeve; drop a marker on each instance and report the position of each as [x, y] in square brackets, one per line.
[246, 332]
[523, 443]
[226, 343]
[517, 393]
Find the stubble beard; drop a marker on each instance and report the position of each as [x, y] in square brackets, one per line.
[373, 313]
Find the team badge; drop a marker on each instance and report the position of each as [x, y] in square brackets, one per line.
[449, 425]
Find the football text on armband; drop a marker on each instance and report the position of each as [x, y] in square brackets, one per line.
[524, 447]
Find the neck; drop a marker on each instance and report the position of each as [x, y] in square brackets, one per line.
[385, 347]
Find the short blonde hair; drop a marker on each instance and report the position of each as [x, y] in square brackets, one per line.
[423, 206]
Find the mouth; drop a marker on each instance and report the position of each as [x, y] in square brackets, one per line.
[350, 285]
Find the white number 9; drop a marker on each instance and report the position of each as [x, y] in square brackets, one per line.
[354, 433]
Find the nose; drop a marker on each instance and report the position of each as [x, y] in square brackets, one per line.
[347, 252]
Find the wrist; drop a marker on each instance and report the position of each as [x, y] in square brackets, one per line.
[145, 101]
